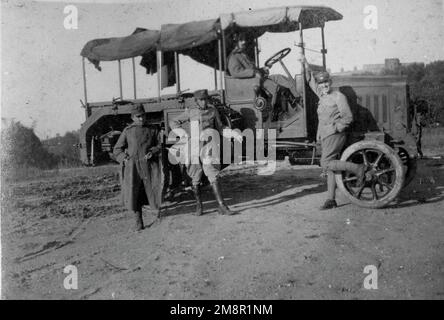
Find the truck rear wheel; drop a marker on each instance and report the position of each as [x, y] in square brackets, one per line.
[384, 176]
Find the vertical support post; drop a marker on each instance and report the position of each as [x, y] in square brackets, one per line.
[256, 52]
[120, 80]
[313, 154]
[323, 51]
[304, 94]
[159, 71]
[177, 70]
[215, 78]
[224, 57]
[134, 78]
[84, 81]
[221, 77]
[301, 45]
[92, 151]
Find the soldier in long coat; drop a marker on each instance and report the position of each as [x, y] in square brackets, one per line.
[138, 152]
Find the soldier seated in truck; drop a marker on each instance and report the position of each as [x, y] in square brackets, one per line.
[241, 66]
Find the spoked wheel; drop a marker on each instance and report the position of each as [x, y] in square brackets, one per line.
[384, 177]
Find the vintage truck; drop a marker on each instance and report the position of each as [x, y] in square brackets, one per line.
[380, 135]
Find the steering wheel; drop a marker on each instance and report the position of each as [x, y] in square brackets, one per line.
[278, 56]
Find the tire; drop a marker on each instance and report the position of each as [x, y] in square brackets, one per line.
[384, 178]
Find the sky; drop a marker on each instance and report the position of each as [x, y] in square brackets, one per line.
[41, 78]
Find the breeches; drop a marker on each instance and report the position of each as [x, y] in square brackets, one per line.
[273, 81]
[195, 172]
[332, 147]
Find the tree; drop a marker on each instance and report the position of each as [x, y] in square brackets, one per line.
[65, 148]
[431, 89]
[22, 148]
[426, 84]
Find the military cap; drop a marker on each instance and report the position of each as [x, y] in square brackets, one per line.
[322, 76]
[201, 94]
[137, 110]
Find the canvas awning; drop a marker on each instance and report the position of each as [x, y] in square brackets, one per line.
[282, 19]
[198, 39]
[178, 37]
[139, 43]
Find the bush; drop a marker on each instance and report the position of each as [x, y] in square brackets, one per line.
[65, 148]
[426, 85]
[22, 148]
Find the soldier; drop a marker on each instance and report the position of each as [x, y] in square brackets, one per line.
[334, 117]
[418, 109]
[207, 116]
[137, 150]
[240, 66]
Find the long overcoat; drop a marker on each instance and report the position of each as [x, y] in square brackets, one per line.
[141, 179]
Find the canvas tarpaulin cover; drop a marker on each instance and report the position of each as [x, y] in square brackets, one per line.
[140, 42]
[198, 39]
[282, 19]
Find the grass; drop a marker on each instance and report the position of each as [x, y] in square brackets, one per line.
[30, 173]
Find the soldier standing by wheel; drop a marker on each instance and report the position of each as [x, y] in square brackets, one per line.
[418, 109]
[334, 117]
[137, 150]
[207, 117]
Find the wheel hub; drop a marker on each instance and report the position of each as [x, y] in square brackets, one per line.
[370, 175]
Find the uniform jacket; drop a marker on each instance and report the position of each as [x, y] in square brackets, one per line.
[136, 172]
[207, 118]
[240, 66]
[334, 113]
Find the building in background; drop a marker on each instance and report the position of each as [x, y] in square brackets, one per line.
[391, 64]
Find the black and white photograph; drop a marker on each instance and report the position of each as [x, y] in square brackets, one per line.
[249, 150]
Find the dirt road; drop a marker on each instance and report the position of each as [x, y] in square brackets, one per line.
[279, 246]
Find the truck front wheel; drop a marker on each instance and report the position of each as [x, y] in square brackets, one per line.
[384, 176]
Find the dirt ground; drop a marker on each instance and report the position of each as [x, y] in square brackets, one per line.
[279, 246]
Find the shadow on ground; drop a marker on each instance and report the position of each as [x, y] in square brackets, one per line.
[248, 192]
[426, 187]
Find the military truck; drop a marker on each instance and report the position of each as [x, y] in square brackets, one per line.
[379, 138]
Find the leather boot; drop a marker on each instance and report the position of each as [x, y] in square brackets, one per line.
[139, 221]
[199, 209]
[329, 204]
[223, 209]
[357, 169]
[292, 100]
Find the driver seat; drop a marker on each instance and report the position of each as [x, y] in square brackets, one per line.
[243, 90]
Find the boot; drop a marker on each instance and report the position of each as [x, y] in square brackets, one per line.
[329, 204]
[357, 169]
[360, 174]
[196, 192]
[139, 221]
[223, 209]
